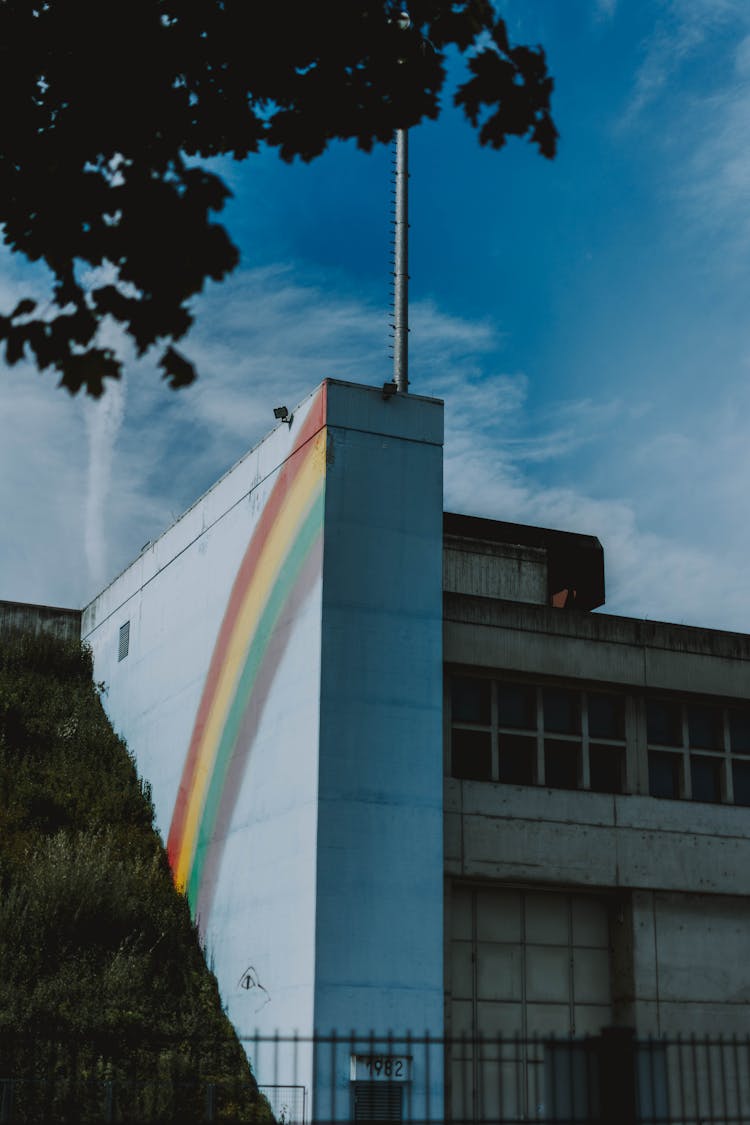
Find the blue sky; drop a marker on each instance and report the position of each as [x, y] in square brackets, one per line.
[585, 320]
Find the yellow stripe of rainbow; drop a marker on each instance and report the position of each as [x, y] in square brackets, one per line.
[288, 510]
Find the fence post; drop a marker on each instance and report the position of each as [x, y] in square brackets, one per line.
[109, 1101]
[6, 1099]
[210, 1114]
[617, 1074]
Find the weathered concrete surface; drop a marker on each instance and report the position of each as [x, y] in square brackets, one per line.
[594, 646]
[690, 970]
[676, 875]
[517, 833]
[495, 570]
[63, 623]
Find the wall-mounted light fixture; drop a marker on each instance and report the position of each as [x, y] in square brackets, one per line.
[281, 414]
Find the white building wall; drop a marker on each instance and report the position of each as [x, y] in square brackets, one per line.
[282, 693]
[218, 699]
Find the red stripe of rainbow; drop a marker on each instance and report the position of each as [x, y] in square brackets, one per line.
[268, 579]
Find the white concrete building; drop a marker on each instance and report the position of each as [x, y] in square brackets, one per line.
[470, 807]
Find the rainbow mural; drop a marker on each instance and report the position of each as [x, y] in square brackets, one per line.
[280, 566]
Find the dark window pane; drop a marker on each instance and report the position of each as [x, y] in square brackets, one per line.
[704, 727]
[606, 716]
[663, 774]
[741, 778]
[517, 706]
[562, 712]
[739, 730]
[471, 755]
[470, 700]
[606, 768]
[561, 763]
[664, 723]
[517, 755]
[705, 774]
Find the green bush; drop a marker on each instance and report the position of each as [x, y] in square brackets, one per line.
[104, 990]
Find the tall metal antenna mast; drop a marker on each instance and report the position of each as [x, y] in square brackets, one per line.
[401, 264]
[400, 382]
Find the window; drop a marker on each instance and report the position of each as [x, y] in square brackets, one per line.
[698, 750]
[472, 754]
[607, 768]
[705, 729]
[739, 730]
[705, 776]
[606, 715]
[663, 774]
[562, 710]
[741, 779]
[525, 734]
[516, 706]
[517, 759]
[687, 751]
[562, 737]
[663, 723]
[521, 963]
[739, 745]
[471, 700]
[561, 763]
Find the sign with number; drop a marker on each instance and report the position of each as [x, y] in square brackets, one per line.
[381, 1068]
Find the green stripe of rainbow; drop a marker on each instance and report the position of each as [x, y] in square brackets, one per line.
[289, 526]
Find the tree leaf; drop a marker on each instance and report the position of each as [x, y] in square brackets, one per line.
[88, 370]
[15, 344]
[178, 370]
[23, 308]
[104, 180]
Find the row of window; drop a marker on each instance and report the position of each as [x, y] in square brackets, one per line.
[523, 733]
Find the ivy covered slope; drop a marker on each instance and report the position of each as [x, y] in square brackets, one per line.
[101, 973]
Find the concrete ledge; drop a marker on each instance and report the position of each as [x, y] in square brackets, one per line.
[518, 833]
[538, 640]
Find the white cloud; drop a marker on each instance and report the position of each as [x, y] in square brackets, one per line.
[605, 9]
[715, 188]
[689, 112]
[103, 420]
[76, 508]
[681, 30]
[42, 491]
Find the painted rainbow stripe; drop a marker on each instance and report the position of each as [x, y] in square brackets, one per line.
[280, 562]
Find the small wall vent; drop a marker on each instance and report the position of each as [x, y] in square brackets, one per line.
[124, 645]
[378, 1101]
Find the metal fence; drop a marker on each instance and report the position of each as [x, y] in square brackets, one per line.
[615, 1078]
[288, 1104]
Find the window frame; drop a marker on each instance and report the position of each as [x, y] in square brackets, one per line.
[539, 734]
[635, 747]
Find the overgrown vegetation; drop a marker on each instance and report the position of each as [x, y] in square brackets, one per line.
[104, 992]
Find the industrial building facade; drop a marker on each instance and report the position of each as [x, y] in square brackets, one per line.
[596, 816]
[409, 780]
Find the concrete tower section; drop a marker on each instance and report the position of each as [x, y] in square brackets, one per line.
[274, 662]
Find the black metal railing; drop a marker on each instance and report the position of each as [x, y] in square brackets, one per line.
[615, 1078]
